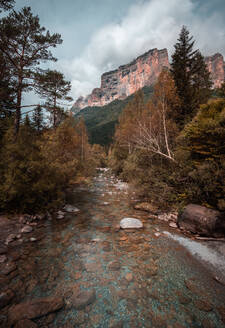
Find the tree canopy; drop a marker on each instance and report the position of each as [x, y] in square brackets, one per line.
[24, 44]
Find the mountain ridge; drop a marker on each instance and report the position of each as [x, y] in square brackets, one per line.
[140, 72]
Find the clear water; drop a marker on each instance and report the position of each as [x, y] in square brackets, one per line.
[165, 283]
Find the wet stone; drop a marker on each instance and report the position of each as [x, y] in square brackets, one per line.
[184, 299]
[77, 275]
[26, 229]
[34, 309]
[129, 276]
[203, 305]
[81, 299]
[114, 266]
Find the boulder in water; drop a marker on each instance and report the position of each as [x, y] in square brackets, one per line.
[83, 298]
[26, 229]
[202, 220]
[131, 223]
[34, 308]
[71, 209]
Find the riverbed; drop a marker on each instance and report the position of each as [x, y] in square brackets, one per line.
[145, 278]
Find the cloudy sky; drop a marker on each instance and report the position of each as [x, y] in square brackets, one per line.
[100, 35]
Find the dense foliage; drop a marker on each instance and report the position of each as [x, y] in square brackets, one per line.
[39, 160]
[172, 148]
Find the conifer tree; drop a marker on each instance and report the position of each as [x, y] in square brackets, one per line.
[37, 119]
[52, 86]
[6, 4]
[191, 76]
[24, 44]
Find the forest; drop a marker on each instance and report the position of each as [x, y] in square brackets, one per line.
[168, 142]
[43, 149]
[172, 146]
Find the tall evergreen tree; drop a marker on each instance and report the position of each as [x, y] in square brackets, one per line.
[52, 86]
[37, 119]
[24, 43]
[191, 76]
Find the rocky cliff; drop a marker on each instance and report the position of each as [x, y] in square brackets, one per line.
[216, 67]
[143, 71]
[127, 79]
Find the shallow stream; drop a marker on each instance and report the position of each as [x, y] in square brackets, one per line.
[144, 278]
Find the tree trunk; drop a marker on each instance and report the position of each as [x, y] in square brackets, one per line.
[18, 110]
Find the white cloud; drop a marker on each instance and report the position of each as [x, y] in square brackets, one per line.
[147, 25]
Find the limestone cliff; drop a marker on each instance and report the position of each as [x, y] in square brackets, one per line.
[143, 71]
[127, 79]
[216, 67]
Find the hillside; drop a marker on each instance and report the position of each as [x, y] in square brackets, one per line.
[101, 121]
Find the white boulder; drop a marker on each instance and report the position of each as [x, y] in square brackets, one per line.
[71, 209]
[131, 223]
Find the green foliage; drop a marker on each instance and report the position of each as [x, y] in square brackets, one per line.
[36, 169]
[201, 154]
[37, 119]
[27, 184]
[52, 86]
[191, 77]
[101, 121]
[24, 44]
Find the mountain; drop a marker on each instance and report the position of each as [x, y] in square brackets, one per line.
[126, 80]
[216, 67]
[141, 72]
[100, 121]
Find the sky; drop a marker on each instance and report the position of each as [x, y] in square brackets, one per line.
[100, 35]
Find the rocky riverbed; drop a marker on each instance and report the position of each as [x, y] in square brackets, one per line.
[83, 271]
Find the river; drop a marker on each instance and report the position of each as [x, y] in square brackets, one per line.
[143, 278]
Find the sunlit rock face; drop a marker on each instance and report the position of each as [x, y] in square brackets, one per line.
[143, 71]
[127, 79]
[216, 67]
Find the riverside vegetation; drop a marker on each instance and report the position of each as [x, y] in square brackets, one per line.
[41, 155]
[172, 147]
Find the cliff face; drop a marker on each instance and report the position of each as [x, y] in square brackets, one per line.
[127, 79]
[216, 67]
[143, 71]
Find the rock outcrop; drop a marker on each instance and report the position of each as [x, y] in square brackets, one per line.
[216, 67]
[143, 71]
[127, 79]
[202, 220]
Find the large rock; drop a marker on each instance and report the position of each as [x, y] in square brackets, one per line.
[131, 223]
[34, 309]
[202, 220]
[83, 298]
[71, 209]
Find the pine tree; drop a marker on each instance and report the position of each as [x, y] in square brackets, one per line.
[6, 4]
[191, 76]
[52, 86]
[37, 119]
[25, 44]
